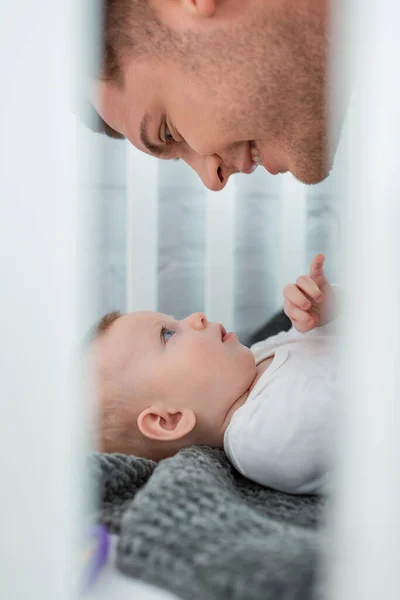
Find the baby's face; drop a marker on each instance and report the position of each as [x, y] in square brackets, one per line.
[188, 363]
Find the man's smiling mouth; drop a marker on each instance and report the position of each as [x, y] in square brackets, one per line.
[255, 155]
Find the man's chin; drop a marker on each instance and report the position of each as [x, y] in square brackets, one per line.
[311, 173]
[314, 180]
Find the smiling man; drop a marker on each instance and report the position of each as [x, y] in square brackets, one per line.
[224, 85]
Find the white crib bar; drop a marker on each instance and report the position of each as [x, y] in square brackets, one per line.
[367, 528]
[292, 233]
[142, 231]
[220, 256]
[39, 444]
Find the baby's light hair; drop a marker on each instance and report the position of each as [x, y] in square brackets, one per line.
[105, 323]
[118, 429]
[115, 433]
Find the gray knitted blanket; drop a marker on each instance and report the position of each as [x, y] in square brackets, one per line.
[193, 525]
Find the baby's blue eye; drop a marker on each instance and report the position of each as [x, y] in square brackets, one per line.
[166, 333]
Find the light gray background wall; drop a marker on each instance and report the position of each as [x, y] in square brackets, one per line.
[182, 234]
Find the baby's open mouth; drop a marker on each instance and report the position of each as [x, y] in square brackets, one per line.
[227, 336]
[223, 332]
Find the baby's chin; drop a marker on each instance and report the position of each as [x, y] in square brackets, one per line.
[251, 357]
[251, 366]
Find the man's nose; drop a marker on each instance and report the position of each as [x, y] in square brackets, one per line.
[197, 321]
[211, 170]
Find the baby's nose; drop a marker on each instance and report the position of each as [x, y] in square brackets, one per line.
[197, 320]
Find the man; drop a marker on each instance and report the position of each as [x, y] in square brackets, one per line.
[224, 85]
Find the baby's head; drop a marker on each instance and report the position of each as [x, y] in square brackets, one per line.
[164, 384]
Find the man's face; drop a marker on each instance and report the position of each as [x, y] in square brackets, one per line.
[246, 85]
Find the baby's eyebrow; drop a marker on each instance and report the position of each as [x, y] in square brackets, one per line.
[158, 322]
[152, 330]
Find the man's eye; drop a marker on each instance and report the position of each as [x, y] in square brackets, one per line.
[166, 333]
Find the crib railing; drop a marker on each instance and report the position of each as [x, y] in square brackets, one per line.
[39, 225]
[142, 258]
[366, 519]
[41, 413]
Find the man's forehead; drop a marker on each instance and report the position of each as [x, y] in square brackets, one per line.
[120, 109]
[107, 101]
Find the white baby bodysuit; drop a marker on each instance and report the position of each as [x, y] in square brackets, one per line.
[284, 435]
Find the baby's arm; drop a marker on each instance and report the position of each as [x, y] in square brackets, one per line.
[311, 301]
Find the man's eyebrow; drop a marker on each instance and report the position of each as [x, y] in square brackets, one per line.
[159, 150]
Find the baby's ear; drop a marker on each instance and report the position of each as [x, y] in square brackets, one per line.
[166, 426]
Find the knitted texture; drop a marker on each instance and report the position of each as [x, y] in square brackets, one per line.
[193, 525]
[118, 478]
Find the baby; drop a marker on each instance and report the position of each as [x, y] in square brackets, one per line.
[165, 384]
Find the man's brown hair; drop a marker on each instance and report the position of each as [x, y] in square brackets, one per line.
[129, 29]
[126, 27]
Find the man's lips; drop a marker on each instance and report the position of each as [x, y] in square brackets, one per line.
[255, 154]
[254, 157]
[259, 158]
[247, 165]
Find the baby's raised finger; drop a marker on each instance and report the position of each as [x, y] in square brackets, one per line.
[317, 267]
[309, 287]
[296, 296]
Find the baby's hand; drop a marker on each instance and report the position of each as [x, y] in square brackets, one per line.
[311, 301]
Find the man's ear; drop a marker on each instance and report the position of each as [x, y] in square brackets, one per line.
[166, 426]
[202, 8]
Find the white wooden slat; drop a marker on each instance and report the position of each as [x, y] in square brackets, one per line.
[142, 231]
[292, 233]
[219, 300]
[367, 522]
[39, 441]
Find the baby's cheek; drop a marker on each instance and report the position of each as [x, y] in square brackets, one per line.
[200, 351]
[245, 365]
[240, 362]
